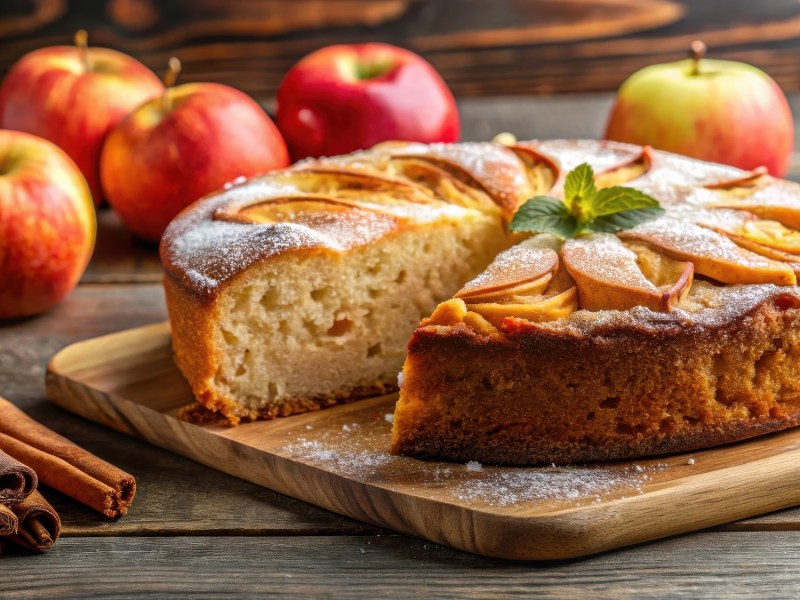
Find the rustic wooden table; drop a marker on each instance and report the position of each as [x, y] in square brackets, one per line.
[193, 530]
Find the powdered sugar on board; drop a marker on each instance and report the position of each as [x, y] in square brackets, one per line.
[359, 450]
[507, 486]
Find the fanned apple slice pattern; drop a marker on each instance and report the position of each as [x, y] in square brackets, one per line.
[741, 230]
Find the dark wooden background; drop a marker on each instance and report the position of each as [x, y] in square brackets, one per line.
[482, 47]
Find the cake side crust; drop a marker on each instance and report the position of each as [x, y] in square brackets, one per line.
[508, 399]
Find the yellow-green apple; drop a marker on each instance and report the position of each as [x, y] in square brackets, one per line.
[189, 142]
[347, 97]
[73, 96]
[47, 224]
[717, 110]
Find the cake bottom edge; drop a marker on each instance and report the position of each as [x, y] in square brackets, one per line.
[701, 439]
[213, 409]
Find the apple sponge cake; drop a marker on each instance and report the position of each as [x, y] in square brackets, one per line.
[680, 333]
[300, 289]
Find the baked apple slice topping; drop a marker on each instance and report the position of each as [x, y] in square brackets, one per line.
[526, 282]
[300, 209]
[608, 247]
[521, 270]
[767, 238]
[713, 254]
[741, 186]
[490, 168]
[341, 223]
[543, 171]
[777, 201]
[625, 172]
[441, 183]
[345, 183]
[551, 306]
[755, 231]
[611, 276]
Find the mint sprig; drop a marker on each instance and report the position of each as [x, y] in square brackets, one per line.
[585, 208]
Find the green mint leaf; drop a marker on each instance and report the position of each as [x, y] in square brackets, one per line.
[617, 199]
[544, 214]
[585, 208]
[625, 219]
[579, 189]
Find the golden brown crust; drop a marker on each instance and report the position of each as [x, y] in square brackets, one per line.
[533, 394]
[191, 321]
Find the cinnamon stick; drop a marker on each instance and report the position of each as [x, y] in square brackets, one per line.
[17, 481]
[8, 521]
[63, 465]
[39, 524]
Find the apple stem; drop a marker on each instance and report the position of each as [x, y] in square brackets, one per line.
[82, 43]
[696, 52]
[171, 76]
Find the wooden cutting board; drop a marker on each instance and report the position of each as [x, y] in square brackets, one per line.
[337, 458]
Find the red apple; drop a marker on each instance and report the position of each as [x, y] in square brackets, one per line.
[717, 110]
[344, 98]
[73, 96]
[47, 224]
[177, 148]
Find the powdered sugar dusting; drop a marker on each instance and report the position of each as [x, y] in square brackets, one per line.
[571, 484]
[515, 265]
[208, 253]
[345, 462]
[360, 451]
[603, 257]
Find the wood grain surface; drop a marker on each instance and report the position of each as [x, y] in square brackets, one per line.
[708, 565]
[480, 47]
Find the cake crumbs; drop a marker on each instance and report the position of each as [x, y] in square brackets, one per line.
[474, 466]
[388, 417]
[691, 461]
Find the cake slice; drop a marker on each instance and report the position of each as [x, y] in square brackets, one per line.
[648, 359]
